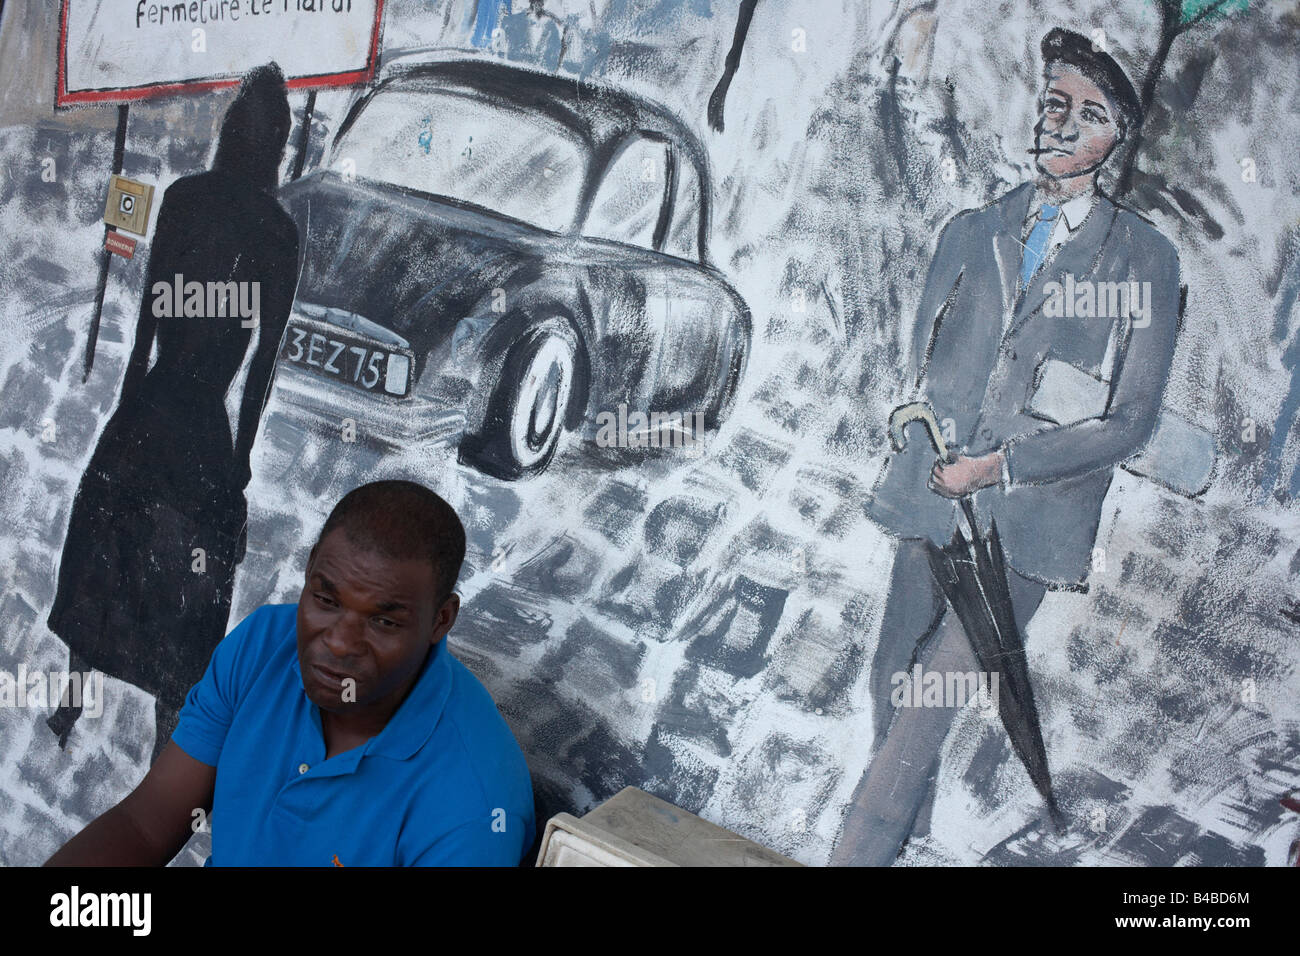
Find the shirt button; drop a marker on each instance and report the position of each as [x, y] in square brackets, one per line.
[1013, 355]
[985, 434]
[303, 768]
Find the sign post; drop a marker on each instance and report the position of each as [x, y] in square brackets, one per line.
[119, 152]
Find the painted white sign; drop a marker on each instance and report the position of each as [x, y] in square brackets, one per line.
[112, 51]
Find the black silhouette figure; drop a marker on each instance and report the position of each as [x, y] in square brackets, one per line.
[137, 598]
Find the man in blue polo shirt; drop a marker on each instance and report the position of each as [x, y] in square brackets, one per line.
[339, 731]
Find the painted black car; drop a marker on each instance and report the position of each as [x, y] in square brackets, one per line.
[524, 249]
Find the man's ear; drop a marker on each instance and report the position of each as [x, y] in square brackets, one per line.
[445, 617]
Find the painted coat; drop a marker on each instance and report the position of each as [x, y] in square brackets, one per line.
[983, 378]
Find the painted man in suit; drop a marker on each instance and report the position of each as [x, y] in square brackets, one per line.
[990, 315]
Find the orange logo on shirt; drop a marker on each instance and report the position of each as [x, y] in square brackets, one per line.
[336, 860]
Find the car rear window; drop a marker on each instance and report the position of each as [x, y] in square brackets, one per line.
[522, 165]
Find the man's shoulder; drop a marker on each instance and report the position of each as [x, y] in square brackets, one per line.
[473, 735]
[1141, 232]
[472, 788]
[262, 633]
[241, 665]
[1016, 196]
[478, 721]
[991, 214]
[271, 619]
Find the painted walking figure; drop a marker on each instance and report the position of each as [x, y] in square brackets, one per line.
[158, 523]
[981, 336]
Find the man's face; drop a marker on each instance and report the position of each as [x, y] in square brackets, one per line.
[367, 618]
[1077, 125]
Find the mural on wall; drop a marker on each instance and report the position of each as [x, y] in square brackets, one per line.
[873, 422]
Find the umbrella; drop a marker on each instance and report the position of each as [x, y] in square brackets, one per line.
[972, 573]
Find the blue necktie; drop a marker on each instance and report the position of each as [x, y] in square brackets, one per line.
[1036, 244]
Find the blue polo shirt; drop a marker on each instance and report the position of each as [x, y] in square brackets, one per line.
[443, 784]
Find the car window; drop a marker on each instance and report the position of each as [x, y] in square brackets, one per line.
[631, 195]
[684, 231]
[519, 164]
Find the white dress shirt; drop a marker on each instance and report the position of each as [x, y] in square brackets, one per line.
[1068, 220]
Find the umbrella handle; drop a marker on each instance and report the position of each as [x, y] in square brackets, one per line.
[904, 415]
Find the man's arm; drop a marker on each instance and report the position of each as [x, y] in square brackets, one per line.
[1067, 451]
[479, 843]
[152, 823]
[941, 281]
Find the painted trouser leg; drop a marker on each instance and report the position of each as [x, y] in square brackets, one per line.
[894, 790]
[913, 610]
[912, 615]
[902, 772]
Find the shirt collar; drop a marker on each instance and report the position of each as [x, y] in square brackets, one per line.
[413, 722]
[1074, 210]
[412, 725]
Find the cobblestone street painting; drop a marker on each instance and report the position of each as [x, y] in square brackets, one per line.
[639, 288]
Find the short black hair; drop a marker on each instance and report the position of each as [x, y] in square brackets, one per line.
[1065, 46]
[403, 520]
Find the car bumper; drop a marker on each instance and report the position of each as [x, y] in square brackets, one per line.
[327, 407]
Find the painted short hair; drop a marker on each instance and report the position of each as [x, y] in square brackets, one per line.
[403, 520]
[1065, 46]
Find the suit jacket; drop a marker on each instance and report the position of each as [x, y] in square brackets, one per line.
[983, 378]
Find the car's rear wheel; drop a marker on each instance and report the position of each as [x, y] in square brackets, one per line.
[525, 415]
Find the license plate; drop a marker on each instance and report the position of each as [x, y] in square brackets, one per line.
[363, 364]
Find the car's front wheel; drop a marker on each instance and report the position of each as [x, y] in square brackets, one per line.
[525, 415]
